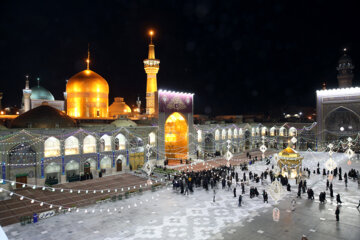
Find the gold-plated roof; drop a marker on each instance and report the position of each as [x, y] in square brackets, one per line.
[289, 152]
[87, 81]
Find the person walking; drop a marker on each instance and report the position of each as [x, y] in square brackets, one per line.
[240, 200]
[338, 200]
[346, 181]
[337, 213]
[327, 184]
[234, 192]
[214, 195]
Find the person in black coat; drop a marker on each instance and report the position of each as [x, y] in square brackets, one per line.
[337, 213]
[234, 191]
[338, 200]
[240, 200]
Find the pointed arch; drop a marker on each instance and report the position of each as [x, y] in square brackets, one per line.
[71, 146]
[52, 147]
[89, 145]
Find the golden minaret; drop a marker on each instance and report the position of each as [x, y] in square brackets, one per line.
[151, 66]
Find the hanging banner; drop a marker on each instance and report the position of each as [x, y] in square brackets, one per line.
[3, 172]
[63, 165]
[98, 161]
[42, 168]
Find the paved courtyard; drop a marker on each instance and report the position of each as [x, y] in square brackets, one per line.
[166, 214]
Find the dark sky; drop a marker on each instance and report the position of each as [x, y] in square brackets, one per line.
[236, 56]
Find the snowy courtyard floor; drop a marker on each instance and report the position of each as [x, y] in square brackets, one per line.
[166, 214]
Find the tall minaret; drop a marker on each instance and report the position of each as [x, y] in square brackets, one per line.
[27, 94]
[345, 70]
[151, 66]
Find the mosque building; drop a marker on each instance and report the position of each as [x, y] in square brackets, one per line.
[52, 144]
[35, 96]
[338, 110]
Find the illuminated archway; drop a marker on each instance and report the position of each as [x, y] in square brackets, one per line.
[176, 137]
[52, 147]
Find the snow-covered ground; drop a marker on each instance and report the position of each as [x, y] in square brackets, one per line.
[168, 214]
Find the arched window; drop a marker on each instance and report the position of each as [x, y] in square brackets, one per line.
[71, 146]
[217, 135]
[253, 132]
[264, 131]
[152, 139]
[89, 144]
[282, 131]
[122, 142]
[272, 131]
[235, 133]
[223, 134]
[292, 132]
[199, 136]
[105, 140]
[52, 147]
[257, 131]
[241, 132]
[105, 163]
[229, 133]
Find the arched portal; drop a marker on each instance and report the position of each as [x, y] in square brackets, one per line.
[119, 162]
[52, 173]
[23, 163]
[176, 138]
[72, 171]
[209, 144]
[105, 164]
[341, 122]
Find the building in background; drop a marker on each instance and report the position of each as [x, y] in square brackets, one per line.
[338, 110]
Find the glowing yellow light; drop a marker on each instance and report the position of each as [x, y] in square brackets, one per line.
[2, 112]
[176, 137]
[151, 32]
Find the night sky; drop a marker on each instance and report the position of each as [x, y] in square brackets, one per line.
[237, 57]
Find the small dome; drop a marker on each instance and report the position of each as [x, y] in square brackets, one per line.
[43, 116]
[124, 123]
[119, 107]
[289, 152]
[40, 93]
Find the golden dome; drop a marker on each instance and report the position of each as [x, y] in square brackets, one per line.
[119, 107]
[87, 95]
[289, 153]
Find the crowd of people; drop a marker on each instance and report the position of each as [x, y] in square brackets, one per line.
[228, 178]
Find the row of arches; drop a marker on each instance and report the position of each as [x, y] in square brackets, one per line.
[73, 168]
[52, 145]
[236, 133]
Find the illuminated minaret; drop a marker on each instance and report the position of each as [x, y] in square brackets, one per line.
[27, 94]
[151, 66]
[345, 70]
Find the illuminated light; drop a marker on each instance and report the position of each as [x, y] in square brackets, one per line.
[11, 193]
[176, 137]
[22, 198]
[342, 129]
[32, 201]
[51, 206]
[34, 187]
[41, 204]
